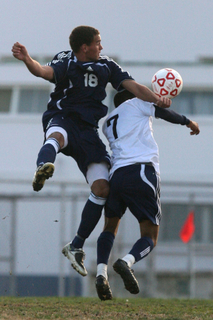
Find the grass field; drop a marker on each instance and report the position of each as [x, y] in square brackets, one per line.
[93, 308]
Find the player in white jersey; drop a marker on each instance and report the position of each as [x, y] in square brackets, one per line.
[134, 183]
[129, 127]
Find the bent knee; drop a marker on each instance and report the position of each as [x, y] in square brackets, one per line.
[59, 137]
[100, 188]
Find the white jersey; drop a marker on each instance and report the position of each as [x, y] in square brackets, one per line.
[129, 131]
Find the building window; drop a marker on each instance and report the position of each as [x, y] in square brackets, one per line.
[188, 102]
[33, 100]
[193, 102]
[174, 216]
[5, 99]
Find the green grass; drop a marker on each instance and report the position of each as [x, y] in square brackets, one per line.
[93, 308]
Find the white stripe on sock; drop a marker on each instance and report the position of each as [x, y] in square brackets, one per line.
[54, 143]
[97, 200]
[145, 252]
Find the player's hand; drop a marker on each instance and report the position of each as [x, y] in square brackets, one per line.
[194, 127]
[164, 102]
[19, 51]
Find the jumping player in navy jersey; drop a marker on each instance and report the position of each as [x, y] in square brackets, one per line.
[134, 183]
[71, 120]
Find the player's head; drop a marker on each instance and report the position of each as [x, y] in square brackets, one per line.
[82, 35]
[122, 96]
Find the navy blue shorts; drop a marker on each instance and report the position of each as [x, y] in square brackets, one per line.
[84, 144]
[136, 187]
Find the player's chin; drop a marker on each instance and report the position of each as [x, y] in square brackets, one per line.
[96, 58]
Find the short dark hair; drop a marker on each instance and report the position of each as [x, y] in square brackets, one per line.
[122, 96]
[82, 35]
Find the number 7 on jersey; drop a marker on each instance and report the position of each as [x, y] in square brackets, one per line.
[113, 120]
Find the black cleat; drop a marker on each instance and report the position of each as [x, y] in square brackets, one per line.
[130, 282]
[103, 289]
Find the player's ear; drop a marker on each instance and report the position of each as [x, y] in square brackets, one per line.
[84, 47]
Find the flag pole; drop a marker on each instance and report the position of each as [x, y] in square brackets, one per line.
[192, 251]
[192, 272]
[187, 236]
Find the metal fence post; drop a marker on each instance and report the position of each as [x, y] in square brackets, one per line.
[61, 280]
[12, 281]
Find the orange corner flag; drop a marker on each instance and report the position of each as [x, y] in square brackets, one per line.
[188, 228]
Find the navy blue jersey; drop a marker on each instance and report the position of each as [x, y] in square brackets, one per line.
[80, 87]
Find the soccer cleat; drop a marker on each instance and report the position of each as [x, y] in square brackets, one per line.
[130, 282]
[76, 256]
[103, 289]
[42, 173]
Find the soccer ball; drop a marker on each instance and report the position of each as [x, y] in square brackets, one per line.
[167, 83]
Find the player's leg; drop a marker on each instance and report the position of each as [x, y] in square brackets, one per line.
[144, 245]
[141, 249]
[97, 176]
[93, 160]
[144, 203]
[114, 209]
[104, 247]
[55, 139]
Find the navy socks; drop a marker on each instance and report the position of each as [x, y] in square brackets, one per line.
[104, 247]
[48, 152]
[90, 216]
[142, 248]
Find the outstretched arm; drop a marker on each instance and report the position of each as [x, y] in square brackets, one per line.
[194, 127]
[144, 93]
[174, 117]
[20, 52]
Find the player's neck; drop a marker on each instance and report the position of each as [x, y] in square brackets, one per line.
[81, 57]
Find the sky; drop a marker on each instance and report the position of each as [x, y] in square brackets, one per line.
[136, 30]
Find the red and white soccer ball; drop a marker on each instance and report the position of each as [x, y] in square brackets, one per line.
[167, 83]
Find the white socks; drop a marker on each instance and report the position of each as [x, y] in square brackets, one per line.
[129, 259]
[102, 267]
[102, 270]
